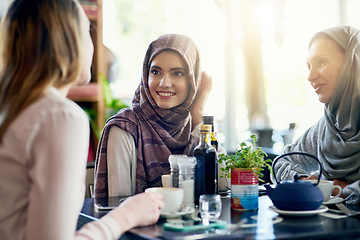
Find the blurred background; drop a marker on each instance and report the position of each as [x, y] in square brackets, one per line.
[255, 51]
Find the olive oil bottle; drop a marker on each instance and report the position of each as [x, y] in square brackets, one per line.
[210, 120]
[206, 165]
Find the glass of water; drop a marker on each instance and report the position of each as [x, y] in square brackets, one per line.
[209, 207]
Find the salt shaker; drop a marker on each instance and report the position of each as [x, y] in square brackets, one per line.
[187, 181]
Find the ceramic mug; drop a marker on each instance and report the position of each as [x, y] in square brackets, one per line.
[173, 198]
[327, 188]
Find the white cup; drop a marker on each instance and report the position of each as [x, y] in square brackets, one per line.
[327, 188]
[173, 198]
[166, 180]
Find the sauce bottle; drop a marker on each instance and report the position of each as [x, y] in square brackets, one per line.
[206, 164]
[210, 120]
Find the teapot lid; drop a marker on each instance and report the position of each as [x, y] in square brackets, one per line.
[296, 182]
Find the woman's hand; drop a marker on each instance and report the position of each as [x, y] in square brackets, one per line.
[309, 177]
[342, 184]
[203, 91]
[139, 210]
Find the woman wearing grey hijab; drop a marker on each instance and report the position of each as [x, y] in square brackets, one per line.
[334, 73]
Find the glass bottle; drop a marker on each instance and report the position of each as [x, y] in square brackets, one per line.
[187, 182]
[206, 165]
[210, 120]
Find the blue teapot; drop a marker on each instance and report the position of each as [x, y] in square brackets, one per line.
[296, 195]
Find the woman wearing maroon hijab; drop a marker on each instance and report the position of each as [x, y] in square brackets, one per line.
[135, 144]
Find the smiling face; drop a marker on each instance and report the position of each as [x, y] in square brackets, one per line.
[168, 79]
[325, 59]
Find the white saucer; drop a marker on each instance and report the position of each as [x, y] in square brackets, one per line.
[299, 213]
[175, 214]
[333, 200]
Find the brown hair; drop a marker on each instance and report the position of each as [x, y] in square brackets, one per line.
[39, 48]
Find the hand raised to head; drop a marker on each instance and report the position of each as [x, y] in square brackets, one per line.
[202, 94]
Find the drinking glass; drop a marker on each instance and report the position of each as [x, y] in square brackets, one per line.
[210, 207]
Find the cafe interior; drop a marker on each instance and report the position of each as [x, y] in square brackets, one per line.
[256, 53]
[253, 89]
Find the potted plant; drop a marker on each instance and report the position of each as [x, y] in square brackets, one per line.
[244, 169]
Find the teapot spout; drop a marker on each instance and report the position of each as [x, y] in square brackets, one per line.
[269, 189]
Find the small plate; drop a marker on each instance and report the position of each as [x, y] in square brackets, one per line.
[321, 209]
[333, 200]
[175, 214]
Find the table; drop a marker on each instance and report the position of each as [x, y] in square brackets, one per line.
[260, 224]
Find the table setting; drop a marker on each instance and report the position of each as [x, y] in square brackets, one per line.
[291, 201]
[288, 210]
[307, 198]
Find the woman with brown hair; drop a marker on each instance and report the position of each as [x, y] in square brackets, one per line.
[45, 49]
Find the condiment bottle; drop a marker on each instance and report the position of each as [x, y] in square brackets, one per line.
[210, 120]
[187, 181]
[206, 165]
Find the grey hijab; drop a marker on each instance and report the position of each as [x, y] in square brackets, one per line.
[335, 139]
[339, 148]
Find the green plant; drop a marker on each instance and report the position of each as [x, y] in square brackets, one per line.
[247, 156]
[112, 105]
[92, 114]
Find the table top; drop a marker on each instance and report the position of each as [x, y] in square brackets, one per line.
[260, 224]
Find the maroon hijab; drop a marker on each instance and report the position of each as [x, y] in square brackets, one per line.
[157, 132]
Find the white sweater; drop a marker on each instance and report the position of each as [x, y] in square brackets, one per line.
[42, 175]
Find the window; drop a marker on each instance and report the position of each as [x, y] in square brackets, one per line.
[219, 28]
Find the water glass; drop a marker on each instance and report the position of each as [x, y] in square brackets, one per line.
[209, 207]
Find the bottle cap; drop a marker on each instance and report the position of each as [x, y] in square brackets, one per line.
[174, 160]
[187, 163]
[208, 119]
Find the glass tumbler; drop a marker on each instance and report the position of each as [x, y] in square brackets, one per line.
[209, 207]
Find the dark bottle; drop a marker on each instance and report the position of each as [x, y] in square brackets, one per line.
[206, 165]
[210, 120]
